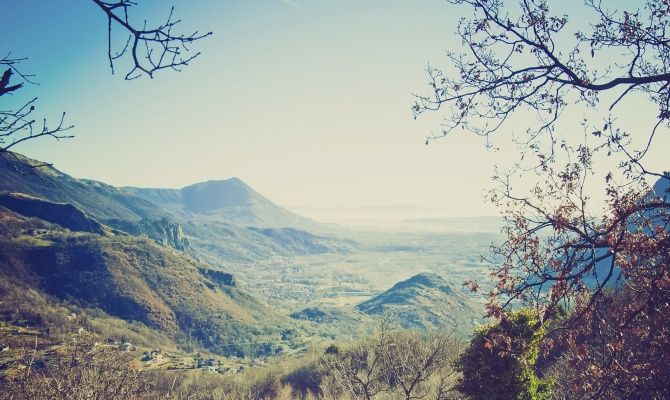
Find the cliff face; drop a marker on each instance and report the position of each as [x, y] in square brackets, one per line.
[219, 278]
[166, 232]
[65, 215]
[163, 231]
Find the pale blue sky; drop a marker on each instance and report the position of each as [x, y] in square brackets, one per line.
[307, 101]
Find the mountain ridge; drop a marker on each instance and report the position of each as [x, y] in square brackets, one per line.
[228, 200]
[219, 237]
[425, 301]
[135, 279]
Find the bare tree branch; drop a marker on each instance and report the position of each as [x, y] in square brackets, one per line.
[150, 49]
[18, 125]
[511, 62]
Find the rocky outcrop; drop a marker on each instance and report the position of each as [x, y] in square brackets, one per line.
[163, 231]
[218, 277]
[65, 215]
[167, 233]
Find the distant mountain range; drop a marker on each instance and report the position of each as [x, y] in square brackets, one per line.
[402, 217]
[88, 244]
[160, 257]
[224, 220]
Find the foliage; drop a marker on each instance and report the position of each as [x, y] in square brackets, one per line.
[561, 251]
[137, 280]
[499, 362]
[621, 352]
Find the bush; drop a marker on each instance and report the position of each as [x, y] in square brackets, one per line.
[498, 364]
[305, 380]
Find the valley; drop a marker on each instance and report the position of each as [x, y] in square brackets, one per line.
[335, 200]
[346, 279]
[232, 284]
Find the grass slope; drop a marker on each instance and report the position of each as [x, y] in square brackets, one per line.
[102, 201]
[425, 301]
[136, 279]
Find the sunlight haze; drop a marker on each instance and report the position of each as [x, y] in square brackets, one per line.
[306, 101]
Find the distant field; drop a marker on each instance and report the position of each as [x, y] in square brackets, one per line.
[344, 280]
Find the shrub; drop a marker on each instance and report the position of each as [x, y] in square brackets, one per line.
[498, 364]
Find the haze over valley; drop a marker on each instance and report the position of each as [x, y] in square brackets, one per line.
[334, 200]
[231, 248]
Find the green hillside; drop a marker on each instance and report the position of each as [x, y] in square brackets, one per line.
[426, 301]
[136, 279]
[101, 201]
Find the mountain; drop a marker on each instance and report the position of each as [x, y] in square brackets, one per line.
[92, 246]
[229, 200]
[87, 244]
[208, 219]
[425, 301]
[65, 215]
[662, 187]
[99, 200]
[136, 280]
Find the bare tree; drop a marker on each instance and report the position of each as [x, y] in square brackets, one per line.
[150, 49]
[409, 363]
[358, 370]
[79, 370]
[412, 359]
[19, 125]
[513, 61]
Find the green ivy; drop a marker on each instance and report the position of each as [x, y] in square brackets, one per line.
[498, 364]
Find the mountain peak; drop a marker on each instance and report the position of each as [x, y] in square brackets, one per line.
[229, 200]
[425, 279]
[213, 195]
[233, 181]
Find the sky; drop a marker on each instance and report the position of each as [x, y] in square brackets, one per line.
[306, 101]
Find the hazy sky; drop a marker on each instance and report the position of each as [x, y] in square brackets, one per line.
[307, 101]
